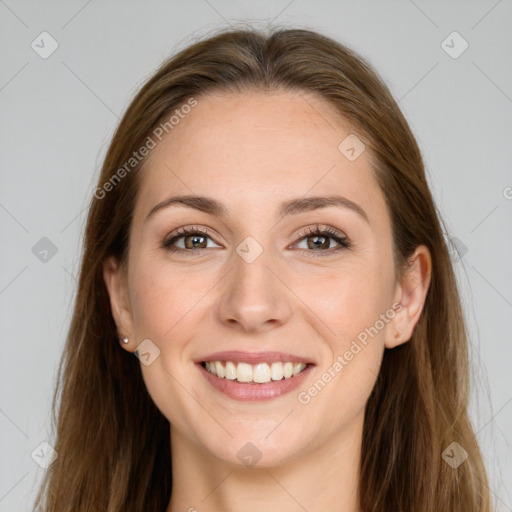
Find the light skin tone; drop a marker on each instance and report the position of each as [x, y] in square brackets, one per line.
[252, 151]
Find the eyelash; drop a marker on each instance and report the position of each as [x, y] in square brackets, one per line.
[342, 240]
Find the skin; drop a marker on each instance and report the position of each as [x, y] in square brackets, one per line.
[251, 151]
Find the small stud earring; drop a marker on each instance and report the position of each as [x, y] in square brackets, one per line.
[398, 335]
[124, 339]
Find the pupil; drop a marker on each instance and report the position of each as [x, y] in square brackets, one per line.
[193, 241]
[319, 244]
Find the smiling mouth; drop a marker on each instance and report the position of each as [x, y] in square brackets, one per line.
[260, 373]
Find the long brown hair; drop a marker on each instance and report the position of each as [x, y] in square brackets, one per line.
[113, 444]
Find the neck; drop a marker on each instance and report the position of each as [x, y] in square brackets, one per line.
[324, 478]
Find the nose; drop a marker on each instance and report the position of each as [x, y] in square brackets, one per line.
[254, 296]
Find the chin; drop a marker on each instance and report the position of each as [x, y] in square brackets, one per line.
[264, 449]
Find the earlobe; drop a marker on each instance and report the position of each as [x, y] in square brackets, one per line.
[116, 284]
[411, 294]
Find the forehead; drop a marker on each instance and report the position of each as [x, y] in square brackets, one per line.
[255, 148]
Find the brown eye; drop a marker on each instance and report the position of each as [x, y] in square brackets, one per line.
[319, 241]
[194, 239]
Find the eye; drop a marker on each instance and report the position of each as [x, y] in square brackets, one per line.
[194, 240]
[319, 241]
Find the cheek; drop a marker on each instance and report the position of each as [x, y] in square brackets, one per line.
[351, 311]
[346, 301]
[348, 311]
[158, 300]
[167, 298]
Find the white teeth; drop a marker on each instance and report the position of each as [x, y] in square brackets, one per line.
[260, 373]
[277, 371]
[230, 371]
[297, 368]
[220, 369]
[243, 372]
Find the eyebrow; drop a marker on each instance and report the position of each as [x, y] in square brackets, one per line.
[290, 207]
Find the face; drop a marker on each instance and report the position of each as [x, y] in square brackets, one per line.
[249, 280]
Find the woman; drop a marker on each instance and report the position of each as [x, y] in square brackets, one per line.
[264, 241]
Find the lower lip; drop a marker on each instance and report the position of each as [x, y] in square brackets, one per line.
[255, 392]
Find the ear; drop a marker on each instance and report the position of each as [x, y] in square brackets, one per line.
[116, 281]
[410, 293]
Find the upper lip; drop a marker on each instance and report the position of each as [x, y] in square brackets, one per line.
[238, 356]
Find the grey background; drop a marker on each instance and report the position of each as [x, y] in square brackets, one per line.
[58, 114]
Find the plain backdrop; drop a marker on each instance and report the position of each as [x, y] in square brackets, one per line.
[446, 62]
